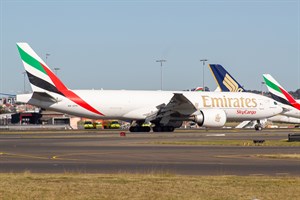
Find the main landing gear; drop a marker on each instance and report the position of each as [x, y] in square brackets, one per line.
[139, 129]
[139, 126]
[148, 129]
[163, 129]
[258, 126]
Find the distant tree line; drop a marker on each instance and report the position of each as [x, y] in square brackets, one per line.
[295, 94]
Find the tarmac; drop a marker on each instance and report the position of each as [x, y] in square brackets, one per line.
[108, 152]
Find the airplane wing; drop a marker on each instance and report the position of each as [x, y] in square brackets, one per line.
[179, 107]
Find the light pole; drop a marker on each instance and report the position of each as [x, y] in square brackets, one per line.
[203, 61]
[47, 55]
[161, 73]
[24, 75]
[56, 69]
[262, 83]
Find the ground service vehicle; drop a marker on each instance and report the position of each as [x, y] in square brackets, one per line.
[88, 125]
[111, 124]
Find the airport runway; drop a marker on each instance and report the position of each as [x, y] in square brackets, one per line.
[103, 152]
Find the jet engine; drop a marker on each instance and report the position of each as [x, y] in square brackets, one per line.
[211, 118]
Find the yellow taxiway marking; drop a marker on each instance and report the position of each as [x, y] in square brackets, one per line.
[23, 155]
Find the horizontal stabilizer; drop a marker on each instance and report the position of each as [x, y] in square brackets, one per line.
[43, 96]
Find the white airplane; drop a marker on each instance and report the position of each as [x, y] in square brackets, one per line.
[227, 83]
[165, 109]
[291, 106]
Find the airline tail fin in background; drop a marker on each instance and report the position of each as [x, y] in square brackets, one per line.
[225, 81]
[279, 93]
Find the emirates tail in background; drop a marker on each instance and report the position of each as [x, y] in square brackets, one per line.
[279, 93]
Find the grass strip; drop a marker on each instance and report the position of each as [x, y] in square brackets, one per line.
[279, 156]
[146, 186]
[230, 143]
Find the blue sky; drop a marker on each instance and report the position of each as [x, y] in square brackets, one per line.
[114, 44]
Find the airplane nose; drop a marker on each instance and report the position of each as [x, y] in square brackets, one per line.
[275, 107]
[280, 109]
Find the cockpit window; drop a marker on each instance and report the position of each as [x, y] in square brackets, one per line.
[275, 103]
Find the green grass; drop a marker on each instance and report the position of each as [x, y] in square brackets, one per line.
[279, 156]
[148, 186]
[230, 143]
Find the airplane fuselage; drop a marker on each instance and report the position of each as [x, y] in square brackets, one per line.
[137, 105]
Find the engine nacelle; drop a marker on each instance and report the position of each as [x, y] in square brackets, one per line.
[211, 118]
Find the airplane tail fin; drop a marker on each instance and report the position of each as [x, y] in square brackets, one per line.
[278, 93]
[43, 80]
[40, 76]
[224, 80]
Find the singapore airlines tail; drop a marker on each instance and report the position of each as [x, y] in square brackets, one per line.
[279, 93]
[224, 80]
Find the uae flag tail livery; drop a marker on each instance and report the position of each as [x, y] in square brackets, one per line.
[43, 81]
[279, 93]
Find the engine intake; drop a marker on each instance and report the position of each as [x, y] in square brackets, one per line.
[211, 118]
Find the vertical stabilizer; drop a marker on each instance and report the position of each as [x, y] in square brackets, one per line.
[43, 80]
[224, 80]
[279, 93]
[40, 76]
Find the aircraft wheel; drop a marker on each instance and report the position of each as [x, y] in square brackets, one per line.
[171, 129]
[258, 127]
[139, 129]
[168, 128]
[163, 129]
[157, 129]
[134, 129]
[146, 129]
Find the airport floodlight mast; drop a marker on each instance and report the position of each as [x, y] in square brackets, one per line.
[56, 69]
[203, 83]
[24, 75]
[262, 84]
[47, 55]
[161, 72]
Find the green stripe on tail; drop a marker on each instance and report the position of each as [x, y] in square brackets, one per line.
[30, 60]
[272, 85]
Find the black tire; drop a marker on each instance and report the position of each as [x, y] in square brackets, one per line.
[258, 127]
[157, 129]
[146, 129]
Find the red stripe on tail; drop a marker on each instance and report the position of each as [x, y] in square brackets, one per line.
[290, 99]
[68, 93]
